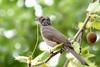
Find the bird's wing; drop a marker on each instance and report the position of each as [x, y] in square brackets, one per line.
[52, 34]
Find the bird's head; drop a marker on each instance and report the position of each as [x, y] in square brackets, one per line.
[44, 20]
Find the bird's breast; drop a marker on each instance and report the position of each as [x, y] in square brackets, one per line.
[50, 43]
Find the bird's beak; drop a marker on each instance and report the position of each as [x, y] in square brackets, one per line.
[36, 19]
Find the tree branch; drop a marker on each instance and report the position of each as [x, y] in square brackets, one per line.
[45, 61]
[83, 27]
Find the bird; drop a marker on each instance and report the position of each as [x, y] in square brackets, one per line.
[53, 37]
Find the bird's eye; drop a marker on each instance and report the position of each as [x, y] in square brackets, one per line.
[42, 19]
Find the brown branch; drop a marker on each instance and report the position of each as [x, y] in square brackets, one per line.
[80, 42]
[83, 27]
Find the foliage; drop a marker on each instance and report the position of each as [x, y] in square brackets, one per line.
[18, 28]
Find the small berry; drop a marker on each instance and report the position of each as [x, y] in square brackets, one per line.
[91, 37]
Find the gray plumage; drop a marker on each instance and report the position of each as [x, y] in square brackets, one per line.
[53, 37]
[50, 34]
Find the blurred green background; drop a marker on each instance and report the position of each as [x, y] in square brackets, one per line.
[18, 28]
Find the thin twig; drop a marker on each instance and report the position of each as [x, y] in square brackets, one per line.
[29, 65]
[83, 27]
[81, 36]
[37, 40]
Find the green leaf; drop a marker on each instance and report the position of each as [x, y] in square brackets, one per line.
[76, 46]
[89, 25]
[57, 47]
[23, 59]
[96, 25]
[40, 58]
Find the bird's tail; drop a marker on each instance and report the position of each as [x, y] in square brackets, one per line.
[73, 52]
